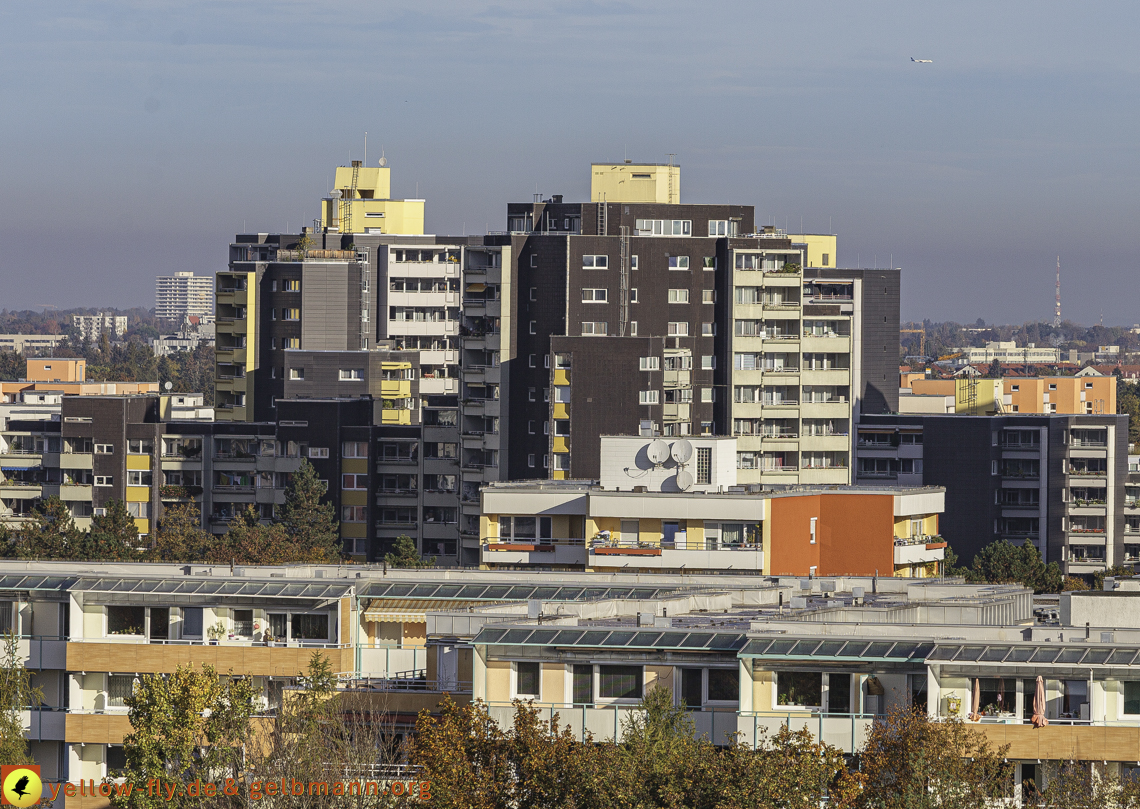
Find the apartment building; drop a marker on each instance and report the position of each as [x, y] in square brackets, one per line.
[184, 295]
[665, 506]
[30, 343]
[1058, 482]
[91, 327]
[360, 202]
[1064, 395]
[1007, 351]
[691, 300]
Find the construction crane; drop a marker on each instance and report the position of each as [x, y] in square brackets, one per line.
[921, 339]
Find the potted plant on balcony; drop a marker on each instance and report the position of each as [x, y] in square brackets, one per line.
[216, 632]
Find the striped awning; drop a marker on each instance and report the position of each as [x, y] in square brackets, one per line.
[411, 610]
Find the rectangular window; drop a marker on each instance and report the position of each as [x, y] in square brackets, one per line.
[708, 362]
[595, 262]
[291, 314]
[595, 328]
[142, 446]
[297, 374]
[649, 397]
[1131, 697]
[707, 395]
[351, 374]
[704, 465]
[139, 478]
[678, 296]
[678, 262]
[620, 682]
[708, 296]
[595, 295]
[800, 688]
[724, 685]
[826, 259]
[718, 227]
[633, 328]
[354, 449]
[310, 626]
[119, 687]
[353, 514]
[104, 449]
[633, 262]
[708, 330]
[318, 452]
[650, 363]
[582, 684]
[191, 622]
[528, 679]
[290, 286]
[104, 480]
[633, 295]
[678, 328]
[354, 481]
[562, 394]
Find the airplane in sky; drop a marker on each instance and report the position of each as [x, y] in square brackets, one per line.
[922, 61]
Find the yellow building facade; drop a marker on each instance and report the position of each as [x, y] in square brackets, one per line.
[361, 203]
[635, 182]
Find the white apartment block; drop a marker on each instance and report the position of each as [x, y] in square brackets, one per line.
[91, 326]
[183, 295]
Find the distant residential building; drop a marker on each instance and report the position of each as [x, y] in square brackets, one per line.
[29, 343]
[56, 376]
[192, 334]
[182, 295]
[92, 326]
[1088, 394]
[1006, 351]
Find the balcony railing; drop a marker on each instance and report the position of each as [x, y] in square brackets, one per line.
[1075, 470]
[921, 539]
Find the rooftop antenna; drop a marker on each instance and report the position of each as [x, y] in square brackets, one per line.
[366, 147]
[1057, 308]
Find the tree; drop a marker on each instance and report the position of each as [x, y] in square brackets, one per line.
[51, 534]
[179, 536]
[791, 770]
[308, 521]
[1002, 562]
[113, 536]
[994, 371]
[187, 726]
[16, 695]
[1128, 401]
[12, 366]
[404, 554]
[911, 761]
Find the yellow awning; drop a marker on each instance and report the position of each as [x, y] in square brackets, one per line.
[410, 610]
[476, 287]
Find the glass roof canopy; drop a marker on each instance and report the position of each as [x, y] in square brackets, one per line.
[608, 638]
[508, 592]
[187, 586]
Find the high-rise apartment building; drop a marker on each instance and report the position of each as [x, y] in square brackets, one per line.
[182, 295]
[90, 327]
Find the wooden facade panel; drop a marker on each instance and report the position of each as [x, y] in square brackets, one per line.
[97, 728]
[1065, 742]
[258, 661]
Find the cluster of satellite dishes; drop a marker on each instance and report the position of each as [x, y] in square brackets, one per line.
[680, 452]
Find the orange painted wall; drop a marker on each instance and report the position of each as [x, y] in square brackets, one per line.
[854, 535]
[932, 387]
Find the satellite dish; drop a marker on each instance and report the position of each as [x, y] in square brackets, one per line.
[169, 385]
[684, 479]
[682, 451]
[335, 194]
[658, 451]
[383, 162]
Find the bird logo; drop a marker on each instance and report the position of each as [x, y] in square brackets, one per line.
[20, 785]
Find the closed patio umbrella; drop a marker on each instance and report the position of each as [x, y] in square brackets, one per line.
[1039, 720]
[976, 701]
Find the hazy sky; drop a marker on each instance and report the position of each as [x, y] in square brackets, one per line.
[139, 137]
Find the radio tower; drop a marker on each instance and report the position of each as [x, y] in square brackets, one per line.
[1057, 309]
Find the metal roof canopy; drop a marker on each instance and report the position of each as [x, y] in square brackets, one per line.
[605, 638]
[126, 589]
[511, 592]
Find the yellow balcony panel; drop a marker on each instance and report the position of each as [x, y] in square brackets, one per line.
[561, 376]
[138, 494]
[138, 462]
[561, 443]
[353, 530]
[396, 416]
[396, 388]
[356, 466]
[396, 366]
[354, 497]
[558, 474]
[142, 525]
[561, 411]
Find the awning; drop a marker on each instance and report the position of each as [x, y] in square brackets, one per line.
[20, 465]
[476, 287]
[411, 610]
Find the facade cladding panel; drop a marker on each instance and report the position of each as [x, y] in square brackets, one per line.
[603, 400]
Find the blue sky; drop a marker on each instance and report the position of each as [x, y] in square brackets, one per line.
[139, 137]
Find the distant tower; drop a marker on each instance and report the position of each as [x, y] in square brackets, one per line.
[1057, 309]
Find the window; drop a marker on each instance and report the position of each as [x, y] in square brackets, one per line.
[649, 397]
[678, 296]
[354, 449]
[530, 457]
[525, 528]
[562, 426]
[633, 295]
[534, 327]
[562, 394]
[562, 461]
[191, 622]
[678, 262]
[291, 314]
[800, 688]
[530, 394]
[351, 374]
[290, 286]
[708, 362]
[534, 293]
[119, 687]
[140, 446]
[620, 682]
[708, 395]
[595, 262]
[826, 259]
[353, 514]
[633, 328]
[708, 296]
[1131, 697]
[139, 478]
[104, 449]
[718, 227]
[533, 260]
[318, 452]
[139, 510]
[310, 626]
[595, 295]
[291, 342]
[704, 465]
[678, 328]
[527, 680]
[354, 481]
[664, 227]
[633, 262]
[123, 620]
[708, 330]
[104, 480]
[650, 363]
[582, 684]
[530, 361]
[297, 374]
[595, 328]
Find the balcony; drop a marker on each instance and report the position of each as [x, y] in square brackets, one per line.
[605, 722]
[919, 550]
[539, 552]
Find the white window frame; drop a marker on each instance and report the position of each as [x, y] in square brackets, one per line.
[679, 263]
[590, 328]
[678, 328]
[678, 296]
[595, 262]
[650, 363]
[595, 295]
[649, 397]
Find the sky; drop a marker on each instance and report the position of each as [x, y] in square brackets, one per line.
[139, 137]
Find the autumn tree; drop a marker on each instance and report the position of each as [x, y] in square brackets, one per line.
[113, 536]
[311, 523]
[16, 695]
[790, 770]
[179, 536]
[51, 533]
[186, 726]
[911, 761]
